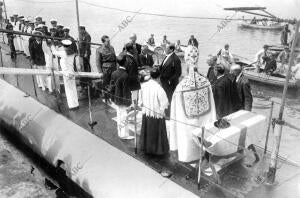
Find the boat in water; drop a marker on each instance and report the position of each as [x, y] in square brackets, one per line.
[262, 77]
[268, 22]
[272, 26]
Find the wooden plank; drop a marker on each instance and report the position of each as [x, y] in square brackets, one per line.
[23, 71]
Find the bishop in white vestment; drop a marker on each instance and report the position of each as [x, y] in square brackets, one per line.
[192, 107]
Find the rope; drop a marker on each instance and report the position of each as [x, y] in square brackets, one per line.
[155, 14]
[45, 2]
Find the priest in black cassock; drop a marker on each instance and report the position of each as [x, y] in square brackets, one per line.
[225, 93]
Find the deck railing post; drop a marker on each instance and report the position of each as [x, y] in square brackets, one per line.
[1, 57]
[279, 122]
[269, 126]
[92, 123]
[135, 126]
[201, 156]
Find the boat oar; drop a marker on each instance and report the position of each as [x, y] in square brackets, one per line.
[251, 64]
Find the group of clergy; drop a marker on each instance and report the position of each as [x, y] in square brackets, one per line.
[51, 54]
[186, 102]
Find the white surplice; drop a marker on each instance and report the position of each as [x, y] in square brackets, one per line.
[153, 100]
[192, 107]
[67, 67]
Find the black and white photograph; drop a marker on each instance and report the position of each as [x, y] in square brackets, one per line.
[149, 99]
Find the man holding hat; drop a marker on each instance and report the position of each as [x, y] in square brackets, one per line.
[38, 58]
[67, 56]
[73, 46]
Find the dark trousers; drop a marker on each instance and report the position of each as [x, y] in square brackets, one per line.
[12, 48]
[86, 68]
[169, 89]
[107, 71]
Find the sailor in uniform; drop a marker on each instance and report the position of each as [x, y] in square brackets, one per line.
[26, 38]
[21, 39]
[67, 66]
[67, 35]
[16, 28]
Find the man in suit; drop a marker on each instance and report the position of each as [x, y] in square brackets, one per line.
[170, 71]
[225, 93]
[131, 66]
[137, 48]
[243, 87]
[212, 61]
[10, 38]
[145, 59]
[38, 58]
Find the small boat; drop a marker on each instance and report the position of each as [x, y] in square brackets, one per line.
[252, 75]
[268, 22]
[274, 26]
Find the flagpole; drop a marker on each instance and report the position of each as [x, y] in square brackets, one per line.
[5, 9]
[78, 26]
[279, 122]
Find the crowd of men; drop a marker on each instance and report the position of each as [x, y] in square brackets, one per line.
[122, 82]
[28, 38]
